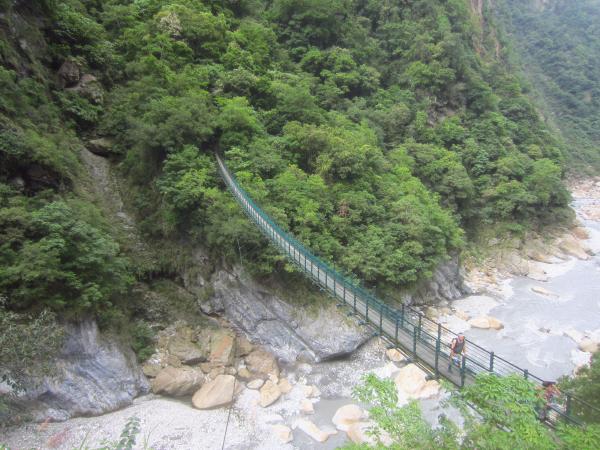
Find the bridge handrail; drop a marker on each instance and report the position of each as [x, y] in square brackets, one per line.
[478, 359]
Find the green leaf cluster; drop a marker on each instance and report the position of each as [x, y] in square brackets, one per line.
[496, 413]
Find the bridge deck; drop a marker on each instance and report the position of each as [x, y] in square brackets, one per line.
[403, 327]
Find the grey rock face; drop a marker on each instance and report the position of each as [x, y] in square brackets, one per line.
[100, 146]
[69, 73]
[290, 332]
[447, 283]
[93, 375]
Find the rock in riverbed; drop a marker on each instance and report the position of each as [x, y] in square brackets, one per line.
[486, 322]
[544, 292]
[177, 381]
[312, 430]
[283, 433]
[215, 393]
[347, 415]
[411, 383]
[269, 394]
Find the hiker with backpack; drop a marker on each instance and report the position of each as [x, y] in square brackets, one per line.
[457, 351]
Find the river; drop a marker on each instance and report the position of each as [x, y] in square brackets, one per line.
[534, 336]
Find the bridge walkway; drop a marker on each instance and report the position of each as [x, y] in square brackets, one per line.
[403, 327]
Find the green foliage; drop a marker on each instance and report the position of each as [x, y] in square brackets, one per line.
[127, 439]
[53, 257]
[504, 417]
[375, 132]
[585, 385]
[28, 345]
[371, 131]
[405, 426]
[142, 340]
[77, 34]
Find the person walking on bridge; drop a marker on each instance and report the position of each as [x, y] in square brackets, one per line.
[457, 351]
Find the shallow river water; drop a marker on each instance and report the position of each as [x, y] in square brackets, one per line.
[534, 325]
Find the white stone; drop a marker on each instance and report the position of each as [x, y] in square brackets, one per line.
[410, 379]
[544, 292]
[177, 381]
[283, 433]
[537, 273]
[312, 430]
[394, 355]
[306, 406]
[588, 345]
[311, 391]
[255, 384]
[357, 433]
[346, 416]
[431, 389]
[480, 322]
[462, 315]
[269, 394]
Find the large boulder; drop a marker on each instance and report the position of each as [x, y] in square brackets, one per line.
[177, 382]
[486, 322]
[536, 272]
[255, 384]
[412, 383]
[243, 346]
[93, 374]
[393, 354]
[306, 406]
[347, 415]
[284, 386]
[411, 380]
[359, 434]
[215, 393]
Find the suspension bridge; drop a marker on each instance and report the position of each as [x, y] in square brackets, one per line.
[427, 341]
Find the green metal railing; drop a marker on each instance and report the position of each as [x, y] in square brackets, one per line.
[405, 327]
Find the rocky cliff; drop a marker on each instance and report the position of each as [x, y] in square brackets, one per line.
[93, 374]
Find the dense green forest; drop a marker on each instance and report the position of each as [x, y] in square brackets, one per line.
[560, 42]
[383, 134]
[380, 133]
